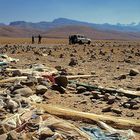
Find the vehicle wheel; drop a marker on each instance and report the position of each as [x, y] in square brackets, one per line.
[89, 42]
[80, 42]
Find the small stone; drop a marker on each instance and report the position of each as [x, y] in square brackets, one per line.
[101, 96]
[87, 93]
[16, 73]
[123, 76]
[116, 110]
[96, 94]
[27, 83]
[58, 68]
[134, 72]
[93, 72]
[124, 99]
[129, 114]
[83, 102]
[30, 81]
[73, 62]
[26, 92]
[106, 96]
[58, 88]
[81, 89]
[15, 87]
[12, 104]
[44, 83]
[94, 100]
[106, 109]
[138, 89]
[126, 105]
[111, 100]
[41, 89]
[118, 98]
[137, 100]
[131, 103]
[80, 73]
[136, 107]
[72, 85]
[47, 132]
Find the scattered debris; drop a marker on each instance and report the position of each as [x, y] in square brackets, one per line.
[32, 95]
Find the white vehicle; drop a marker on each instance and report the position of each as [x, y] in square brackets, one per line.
[80, 39]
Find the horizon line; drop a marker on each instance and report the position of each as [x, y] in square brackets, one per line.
[124, 24]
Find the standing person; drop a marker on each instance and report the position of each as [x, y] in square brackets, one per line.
[39, 39]
[33, 39]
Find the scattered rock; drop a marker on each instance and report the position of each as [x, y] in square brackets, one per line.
[72, 85]
[106, 96]
[44, 83]
[116, 110]
[83, 102]
[87, 93]
[30, 81]
[126, 105]
[118, 98]
[93, 72]
[11, 104]
[58, 88]
[16, 73]
[46, 133]
[96, 94]
[15, 87]
[59, 68]
[61, 81]
[129, 114]
[123, 76]
[80, 89]
[106, 109]
[134, 72]
[137, 100]
[26, 92]
[73, 62]
[27, 83]
[41, 89]
[93, 100]
[111, 100]
[135, 107]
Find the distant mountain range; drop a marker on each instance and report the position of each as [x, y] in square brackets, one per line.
[63, 27]
[67, 22]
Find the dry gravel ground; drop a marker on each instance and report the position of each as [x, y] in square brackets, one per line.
[109, 61]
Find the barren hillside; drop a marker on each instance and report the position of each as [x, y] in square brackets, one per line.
[65, 31]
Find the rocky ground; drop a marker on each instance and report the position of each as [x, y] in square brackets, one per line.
[112, 64]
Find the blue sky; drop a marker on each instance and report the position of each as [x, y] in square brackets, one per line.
[96, 11]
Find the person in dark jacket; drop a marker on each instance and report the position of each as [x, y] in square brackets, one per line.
[33, 39]
[39, 39]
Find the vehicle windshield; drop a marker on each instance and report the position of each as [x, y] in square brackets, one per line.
[80, 36]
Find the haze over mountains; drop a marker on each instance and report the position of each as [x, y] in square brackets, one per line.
[62, 27]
